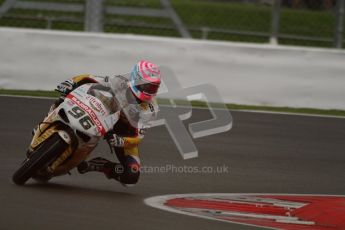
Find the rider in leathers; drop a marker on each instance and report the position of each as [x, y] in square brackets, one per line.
[125, 137]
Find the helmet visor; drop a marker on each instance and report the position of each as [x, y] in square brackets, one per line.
[148, 88]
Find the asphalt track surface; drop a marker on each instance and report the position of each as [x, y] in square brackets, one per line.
[265, 153]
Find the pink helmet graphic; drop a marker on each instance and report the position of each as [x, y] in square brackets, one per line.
[145, 80]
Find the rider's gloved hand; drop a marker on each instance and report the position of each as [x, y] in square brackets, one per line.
[66, 87]
[115, 141]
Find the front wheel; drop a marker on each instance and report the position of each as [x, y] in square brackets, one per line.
[45, 154]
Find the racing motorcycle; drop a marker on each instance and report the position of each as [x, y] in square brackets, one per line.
[69, 133]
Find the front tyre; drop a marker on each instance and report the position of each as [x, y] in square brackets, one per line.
[45, 154]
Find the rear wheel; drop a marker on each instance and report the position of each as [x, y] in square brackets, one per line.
[46, 153]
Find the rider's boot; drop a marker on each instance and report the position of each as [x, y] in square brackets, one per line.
[127, 175]
[97, 164]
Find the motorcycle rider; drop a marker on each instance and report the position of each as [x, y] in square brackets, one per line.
[125, 137]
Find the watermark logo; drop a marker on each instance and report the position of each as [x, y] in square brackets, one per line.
[172, 116]
[175, 169]
[185, 169]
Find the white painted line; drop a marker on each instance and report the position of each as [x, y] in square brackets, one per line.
[259, 200]
[283, 219]
[204, 108]
[287, 113]
[296, 222]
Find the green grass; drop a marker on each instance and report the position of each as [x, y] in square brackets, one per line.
[257, 18]
[140, 25]
[60, 1]
[35, 93]
[139, 19]
[140, 30]
[234, 107]
[38, 24]
[223, 15]
[135, 3]
[68, 26]
[307, 22]
[40, 13]
[330, 112]
[38, 19]
[196, 14]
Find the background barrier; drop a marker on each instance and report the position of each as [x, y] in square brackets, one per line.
[316, 23]
[243, 73]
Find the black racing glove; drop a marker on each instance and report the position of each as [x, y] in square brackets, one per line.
[114, 141]
[66, 87]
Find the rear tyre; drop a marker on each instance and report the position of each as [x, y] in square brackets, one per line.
[46, 153]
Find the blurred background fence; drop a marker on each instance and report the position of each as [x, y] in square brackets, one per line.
[317, 23]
